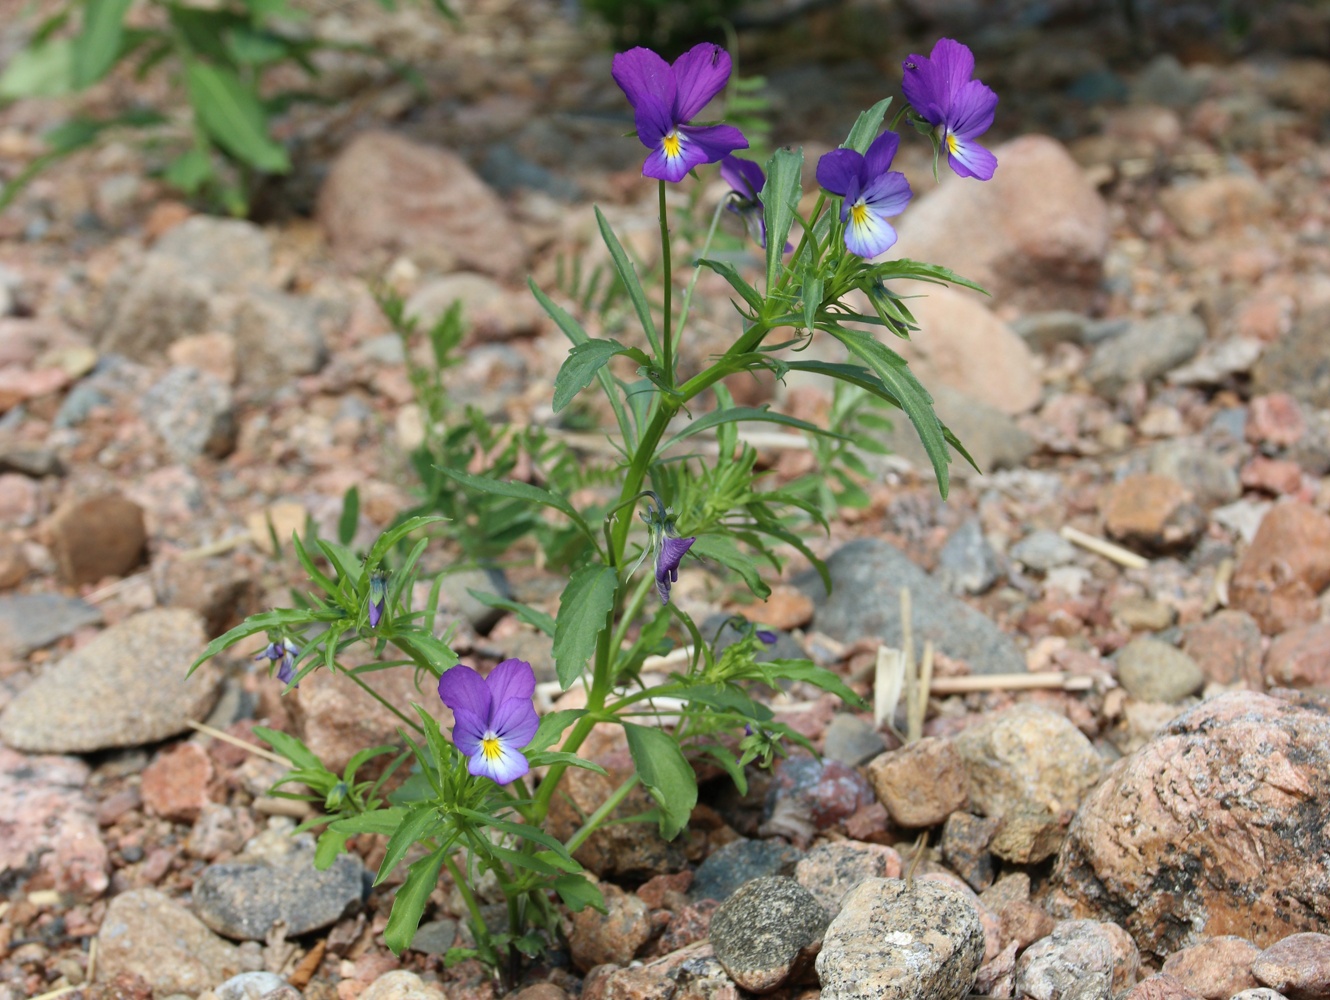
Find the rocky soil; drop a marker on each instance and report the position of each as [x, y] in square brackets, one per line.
[1152, 370]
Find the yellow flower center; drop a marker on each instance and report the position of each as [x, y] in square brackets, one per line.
[858, 214]
[489, 746]
[672, 145]
[951, 143]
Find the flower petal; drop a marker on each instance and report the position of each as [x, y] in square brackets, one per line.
[653, 121]
[868, 234]
[969, 159]
[508, 765]
[511, 679]
[667, 564]
[711, 143]
[643, 75]
[838, 169]
[462, 689]
[515, 721]
[468, 730]
[888, 194]
[930, 84]
[744, 176]
[880, 154]
[699, 75]
[664, 167]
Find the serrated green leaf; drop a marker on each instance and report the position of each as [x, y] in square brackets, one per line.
[45, 70]
[524, 612]
[665, 773]
[811, 673]
[578, 892]
[728, 272]
[780, 199]
[350, 519]
[541, 758]
[409, 902]
[737, 414]
[723, 549]
[289, 747]
[628, 274]
[189, 171]
[520, 491]
[552, 727]
[580, 367]
[97, 45]
[233, 117]
[866, 127]
[584, 611]
[418, 824]
[329, 845]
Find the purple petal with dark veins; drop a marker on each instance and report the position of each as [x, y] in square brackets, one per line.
[744, 176]
[462, 689]
[515, 722]
[713, 142]
[699, 75]
[837, 170]
[880, 154]
[509, 680]
[888, 194]
[667, 564]
[971, 113]
[931, 83]
[468, 730]
[653, 121]
[643, 75]
[508, 766]
[972, 160]
[873, 236]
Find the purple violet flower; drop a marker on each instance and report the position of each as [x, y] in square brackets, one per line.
[747, 180]
[960, 109]
[666, 97]
[494, 718]
[378, 597]
[284, 654]
[871, 190]
[668, 557]
[767, 637]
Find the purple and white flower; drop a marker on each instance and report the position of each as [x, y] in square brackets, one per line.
[378, 597]
[665, 98]
[746, 180]
[940, 89]
[493, 717]
[665, 545]
[284, 654]
[871, 190]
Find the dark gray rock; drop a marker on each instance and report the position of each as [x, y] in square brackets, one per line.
[1150, 670]
[741, 861]
[1147, 350]
[1043, 330]
[851, 740]
[279, 337]
[455, 595]
[1043, 550]
[435, 937]
[867, 576]
[991, 437]
[1298, 362]
[31, 621]
[34, 461]
[967, 564]
[148, 934]
[768, 933]
[251, 986]
[125, 688]
[192, 412]
[1211, 480]
[227, 253]
[1080, 960]
[243, 901]
[894, 940]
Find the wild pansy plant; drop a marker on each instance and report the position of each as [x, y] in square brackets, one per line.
[477, 803]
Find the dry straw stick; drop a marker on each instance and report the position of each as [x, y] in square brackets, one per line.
[1100, 546]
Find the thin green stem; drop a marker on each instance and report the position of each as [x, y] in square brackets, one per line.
[697, 270]
[667, 346]
[602, 813]
[630, 613]
[478, 927]
[384, 702]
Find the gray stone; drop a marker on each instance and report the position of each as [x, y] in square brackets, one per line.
[402, 985]
[125, 688]
[867, 576]
[1150, 670]
[851, 740]
[967, 564]
[894, 940]
[1043, 330]
[279, 337]
[1211, 480]
[148, 934]
[833, 868]
[489, 310]
[1043, 550]
[1259, 993]
[192, 412]
[31, 621]
[1147, 350]
[992, 438]
[741, 861]
[767, 933]
[1312, 450]
[30, 460]
[153, 305]
[48, 826]
[1298, 362]
[251, 986]
[227, 253]
[1166, 82]
[243, 900]
[435, 937]
[455, 595]
[1080, 960]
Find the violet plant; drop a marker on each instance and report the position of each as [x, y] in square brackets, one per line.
[478, 803]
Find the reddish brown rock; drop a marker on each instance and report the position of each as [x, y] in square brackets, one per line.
[1276, 476]
[175, 784]
[921, 783]
[1298, 967]
[1023, 923]
[1275, 419]
[1215, 827]
[96, 537]
[1084, 958]
[635, 849]
[1287, 564]
[785, 608]
[598, 938]
[831, 870]
[1152, 512]
[1227, 648]
[1215, 968]
[1300, 658]
[1159, 987]
[541, 991]
[690, 924]
[387, 195]
[649, 981]
[965, 840]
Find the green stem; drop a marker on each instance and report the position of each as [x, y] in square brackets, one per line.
[478, 927]
[598, 817]
[630, 613]
[667, 345]
[697, 270]
[384, 702]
